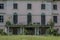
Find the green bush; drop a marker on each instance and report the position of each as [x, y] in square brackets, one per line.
[1, 30]
[52, 32]
[2, 33]
[8, 23]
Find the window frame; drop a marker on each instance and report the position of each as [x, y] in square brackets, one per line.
[29, 6]
[54, 6]
[1, 18]
[15, 18]
[55, 19]
[43, 19]
[43, 6]
[29, 18]
[1, 5]
[15, 6]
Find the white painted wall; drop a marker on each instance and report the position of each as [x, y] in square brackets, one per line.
[22, 10]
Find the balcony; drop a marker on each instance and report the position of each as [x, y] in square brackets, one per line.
[8, 24]
[30, 25]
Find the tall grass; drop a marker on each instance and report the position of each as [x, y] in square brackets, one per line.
[29, 37]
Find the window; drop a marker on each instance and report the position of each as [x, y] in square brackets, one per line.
[15, 18]
[54, 7]
[54, 0]
[29, 6]
[1, 6]
[42, 6]
[42, 19]
[1, 19]
[29, 18]
[15, 5]
[55, 19]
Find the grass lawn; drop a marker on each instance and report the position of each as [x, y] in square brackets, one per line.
[29, 37]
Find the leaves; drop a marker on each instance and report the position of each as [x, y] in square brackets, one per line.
[8, 23]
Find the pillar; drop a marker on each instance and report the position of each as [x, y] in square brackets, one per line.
[23, 30]
[8, 30]
[36, 30]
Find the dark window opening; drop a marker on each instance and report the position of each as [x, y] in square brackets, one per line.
[29, 6]
[42, 6]
[29, 18]
[1, 6]
[42, 19]
[15, 18]
[55, 7]
[15, 5]
[1, 18]
[55, 19]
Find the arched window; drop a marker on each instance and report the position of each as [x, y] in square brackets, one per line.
[42, 19]
[29, 18]
[15, 18]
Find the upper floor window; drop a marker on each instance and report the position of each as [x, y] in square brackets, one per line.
[1, 6]
[42, 6]
[54, 7]
[29, 6]
[1, 18]
[15, 6]
[55, 19]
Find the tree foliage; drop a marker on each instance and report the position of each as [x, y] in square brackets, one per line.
[8, 23]
[51, 29]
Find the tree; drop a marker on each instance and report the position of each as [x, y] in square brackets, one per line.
[8, 24]
[51, 29]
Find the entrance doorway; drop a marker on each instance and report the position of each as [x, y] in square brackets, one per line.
[15, 31]
[29, 31]
[42, 30]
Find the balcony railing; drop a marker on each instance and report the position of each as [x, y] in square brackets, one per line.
[32, 25]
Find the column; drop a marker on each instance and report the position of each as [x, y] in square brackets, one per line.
[35, 30]
[5, 30]
[23, 30]
[18, 30]
[8, 30]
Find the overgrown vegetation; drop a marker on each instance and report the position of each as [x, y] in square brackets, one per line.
[8, 23]
[2, 32]
[51, 30]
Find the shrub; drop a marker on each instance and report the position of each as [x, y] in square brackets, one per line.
[52, 32]
[1, 30]
[8, 23]
[2, 33]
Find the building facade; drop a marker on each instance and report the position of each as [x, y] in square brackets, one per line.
[24, 12]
